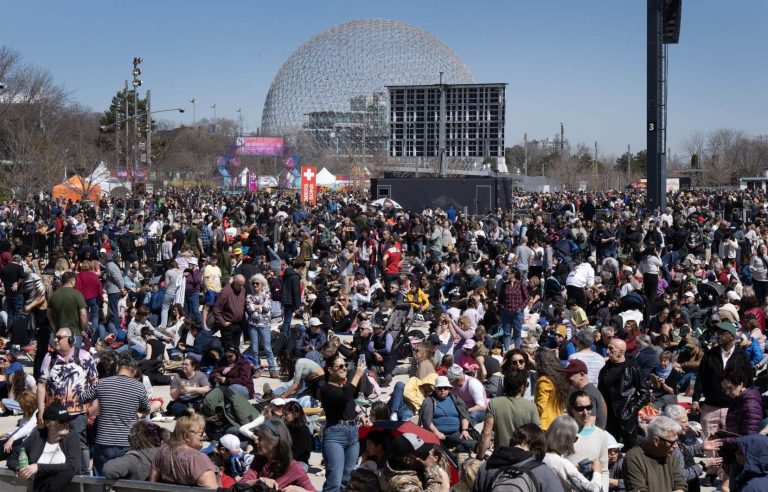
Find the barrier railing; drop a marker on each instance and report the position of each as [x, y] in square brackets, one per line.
[9, 483]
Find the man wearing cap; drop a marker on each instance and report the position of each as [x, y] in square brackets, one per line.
[311, 339]
[446, 415]
[54, 438]
[577, 373]
[724, 355]
[380, 354]
[412, 466]
[470, 391]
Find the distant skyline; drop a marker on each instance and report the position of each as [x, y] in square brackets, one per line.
[580, 63]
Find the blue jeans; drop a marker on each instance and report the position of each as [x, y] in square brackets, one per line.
[397, 403]
[113, 301]
[100, 332]
[78, 426]
[261, 336]
[340, 452]
[93, 312]
[140, 351]
[192, 306]
[512, 326]
[103, 453]
[14, 306]
[476, 417]
[287, 317]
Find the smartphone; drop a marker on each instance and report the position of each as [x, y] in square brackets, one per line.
[361, 361]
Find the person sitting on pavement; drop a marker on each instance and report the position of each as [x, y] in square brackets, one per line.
[188, 388]
[380, 355]
[310, 339]
[470, 391]
[145, 440]
[233, 371]
[446, 415]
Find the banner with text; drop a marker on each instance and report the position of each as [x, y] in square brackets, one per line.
[309, 184]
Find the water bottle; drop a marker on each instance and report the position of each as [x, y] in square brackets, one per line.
[23, 458]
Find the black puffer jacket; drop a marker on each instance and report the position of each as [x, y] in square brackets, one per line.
[291, 295]
[628, 396]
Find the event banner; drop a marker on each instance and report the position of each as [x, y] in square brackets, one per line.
[128, 174]
[263, 146]
[308, 184]
[253, 182]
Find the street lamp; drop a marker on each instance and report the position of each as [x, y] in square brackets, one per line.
[240, 120]
[194, 118]
[136, 84]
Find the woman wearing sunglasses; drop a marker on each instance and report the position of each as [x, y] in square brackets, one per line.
[340, 445]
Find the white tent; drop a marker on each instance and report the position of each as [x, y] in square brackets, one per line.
[267, 182]
[242, 178]
[103, 177]
[325, 178]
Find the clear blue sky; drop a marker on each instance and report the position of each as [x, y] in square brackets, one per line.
[579, 62]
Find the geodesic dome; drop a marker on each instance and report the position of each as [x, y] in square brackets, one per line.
[330, 94]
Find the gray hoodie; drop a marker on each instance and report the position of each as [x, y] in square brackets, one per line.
[136, 464]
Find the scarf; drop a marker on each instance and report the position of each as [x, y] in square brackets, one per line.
[664, 373]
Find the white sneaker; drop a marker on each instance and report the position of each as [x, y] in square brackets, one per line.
[394, 417]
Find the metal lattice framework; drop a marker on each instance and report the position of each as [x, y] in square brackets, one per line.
[329, 97]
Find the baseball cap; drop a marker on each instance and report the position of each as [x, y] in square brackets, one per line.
[237, 251]
[442, 382]
[433, 338]
[360, 271]
[690, 294]
[727, 326]
[468, 344]
[230, 442]
[575, 366]
[455, 372]
[315, 321]
[57, 412]
[733, 296]
[411, 443]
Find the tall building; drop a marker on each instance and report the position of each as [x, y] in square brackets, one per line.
[465, 120]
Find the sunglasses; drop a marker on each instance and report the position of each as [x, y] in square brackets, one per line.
[581, 408]
[519, 362]
[339, 367]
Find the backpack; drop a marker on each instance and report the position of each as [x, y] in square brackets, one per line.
[126, 244]
[517, 478]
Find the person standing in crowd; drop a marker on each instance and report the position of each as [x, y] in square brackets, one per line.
[12, 276]
[89, 285]
[174, 283]
[211, 286]
[258, 308]
[121, 399]
[340, 443]
[113, 285]
[507, 413]
[291, 295]
[66, 374]
[229, 312]
[576, 371]
[66, 308]
[512, 300]
[724, 355]
[624, 391]
[592, 441]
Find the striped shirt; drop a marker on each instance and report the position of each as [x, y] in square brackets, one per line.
[120, 399]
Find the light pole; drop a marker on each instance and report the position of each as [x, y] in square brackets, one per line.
[239, 111]
[214, 117]
[194, 116]
[136, 84]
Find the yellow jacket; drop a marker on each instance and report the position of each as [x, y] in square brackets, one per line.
[419, 300]
[413, 395]
[547, 401]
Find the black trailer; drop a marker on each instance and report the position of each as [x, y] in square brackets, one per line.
[479, 194]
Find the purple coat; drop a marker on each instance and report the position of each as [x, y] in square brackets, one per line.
[745, 415]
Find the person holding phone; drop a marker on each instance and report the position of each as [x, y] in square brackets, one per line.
[340, 442]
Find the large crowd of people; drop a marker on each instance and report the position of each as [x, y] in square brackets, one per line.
[576, 342]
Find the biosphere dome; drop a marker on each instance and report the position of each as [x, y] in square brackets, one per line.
[330, 95]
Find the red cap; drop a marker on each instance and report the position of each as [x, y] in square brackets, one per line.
[575, 366]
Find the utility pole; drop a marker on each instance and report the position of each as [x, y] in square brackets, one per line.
[127, 117]
[525, 154]
[594, 169]
[629, 165]
[149, 135]
[562, 146]
[194, 116]
[117, 134]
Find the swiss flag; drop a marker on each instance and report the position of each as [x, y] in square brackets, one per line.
[308, 184]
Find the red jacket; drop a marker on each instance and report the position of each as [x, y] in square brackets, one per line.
[239, 373]
[88, 284]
